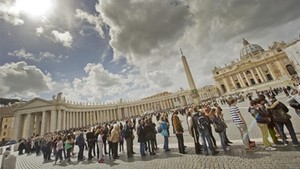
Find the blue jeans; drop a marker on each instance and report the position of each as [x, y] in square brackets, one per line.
[166, 142]
[205, 137]
[290, 127]
[142, 148]
[223, 140]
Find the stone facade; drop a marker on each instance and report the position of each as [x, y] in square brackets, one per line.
[6, 119]
[256, 69]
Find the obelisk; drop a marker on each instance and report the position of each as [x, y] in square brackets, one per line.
[194, 91]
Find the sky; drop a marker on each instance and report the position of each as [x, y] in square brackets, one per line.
[107, 50]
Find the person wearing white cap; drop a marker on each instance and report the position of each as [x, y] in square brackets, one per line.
[294, 101]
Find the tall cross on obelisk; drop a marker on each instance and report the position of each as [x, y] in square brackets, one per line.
[194, 91]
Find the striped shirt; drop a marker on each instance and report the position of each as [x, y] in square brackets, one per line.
[234, 114]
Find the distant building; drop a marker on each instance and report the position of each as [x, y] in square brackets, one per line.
[256, 69]
[6, 121]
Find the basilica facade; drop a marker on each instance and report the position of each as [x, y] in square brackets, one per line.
[257, 68]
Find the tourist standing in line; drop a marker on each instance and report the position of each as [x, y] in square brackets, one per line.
[141, 137]
[219, 111]
[68, 146]
[90, 142]
[100, 146]
[115, 137]
[128, 134]
[105, 133]
[178, 129]
[279, 112]
[80, 144]
[150, 135]
[271, 126]
[59, 148]
[165, 127]
[192, 117]
[121, 141]
[262, 121]
[207, 110]
[216, 119]
[240, 122]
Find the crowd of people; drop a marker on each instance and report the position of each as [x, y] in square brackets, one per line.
[107, 140]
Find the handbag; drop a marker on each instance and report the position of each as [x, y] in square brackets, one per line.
[164, 133]
[220, 127]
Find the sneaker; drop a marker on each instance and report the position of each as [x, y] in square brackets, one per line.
[296, 145]
[215, 153]
[278, 142]
[270, 148]
[227, 148]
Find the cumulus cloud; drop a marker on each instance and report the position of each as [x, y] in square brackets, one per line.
[160, 79]
[99, 82]
[22, 53]
[23, 80]
[101, 85]
[65, 38]
[149, 33]
[39, 31]
[42, 56]
[139, 28]
[9, 13]
[96, 21]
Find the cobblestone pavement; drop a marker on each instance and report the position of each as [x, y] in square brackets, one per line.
[286, 157]
[237, 157]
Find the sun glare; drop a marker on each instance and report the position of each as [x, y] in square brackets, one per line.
[34, 8]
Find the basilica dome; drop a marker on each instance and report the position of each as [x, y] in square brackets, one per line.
[249, 49]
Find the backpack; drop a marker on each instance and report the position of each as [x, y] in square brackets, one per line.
[125, 131]
[219, 125]
[159, 129]
[202, 122]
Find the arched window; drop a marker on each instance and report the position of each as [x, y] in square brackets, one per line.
[223, 88]
[291, 69]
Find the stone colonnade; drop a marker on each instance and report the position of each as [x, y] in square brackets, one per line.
[38, 121]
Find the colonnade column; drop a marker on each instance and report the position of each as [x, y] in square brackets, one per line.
[76, 119]
[94, 115]
[241, 80]
[271, 71]
[18, 126]
[83, 118]
[248, 81]
[29, 125]
[263, 74]
[226, 85]
[43, 125]
[259, 75]
[232, 81]
[38, 124]
[64, 125]
[68, 120]
[254, 77]
[53, 124]
[59, 120]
